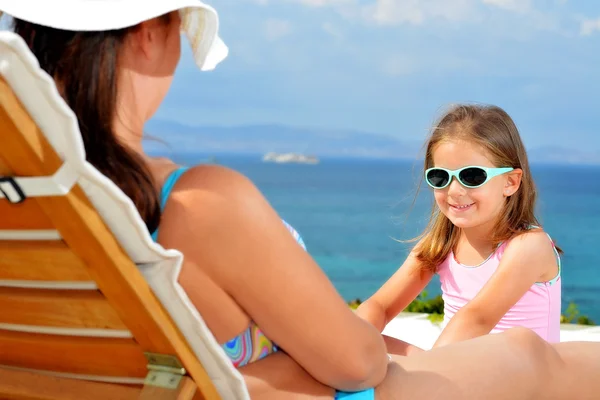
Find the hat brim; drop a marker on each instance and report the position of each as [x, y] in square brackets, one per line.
[200, 22]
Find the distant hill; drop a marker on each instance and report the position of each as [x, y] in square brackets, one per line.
[560, 155]
[260, 139]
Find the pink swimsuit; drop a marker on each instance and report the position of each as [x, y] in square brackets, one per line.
[538, 310]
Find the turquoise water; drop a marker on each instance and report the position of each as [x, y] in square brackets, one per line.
[352, 213]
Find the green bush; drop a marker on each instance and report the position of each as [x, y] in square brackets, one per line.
[435, 308]
[422, 304]
[571, 316]
[354, 303]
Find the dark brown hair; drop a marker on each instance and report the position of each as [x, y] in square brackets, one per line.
[84, 66]
[494, 130]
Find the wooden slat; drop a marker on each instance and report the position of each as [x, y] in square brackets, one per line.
[41, 261]
[187, 390]
[24, 385]
[27, 153]
[58, 308]
[78, 355]
[26, 215]
[4, 170]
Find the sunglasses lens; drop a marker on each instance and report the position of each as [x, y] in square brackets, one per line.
[438, 178]
[473, 176]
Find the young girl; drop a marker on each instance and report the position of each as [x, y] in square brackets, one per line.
[497, 268]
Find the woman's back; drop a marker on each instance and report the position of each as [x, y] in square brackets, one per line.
[252, 344]
[234, 246]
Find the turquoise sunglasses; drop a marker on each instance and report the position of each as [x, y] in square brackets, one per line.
[470, 177]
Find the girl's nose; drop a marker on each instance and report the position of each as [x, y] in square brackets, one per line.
[455, 188]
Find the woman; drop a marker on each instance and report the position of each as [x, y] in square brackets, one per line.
[256, 288]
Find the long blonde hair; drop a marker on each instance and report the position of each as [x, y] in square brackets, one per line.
[494, 130]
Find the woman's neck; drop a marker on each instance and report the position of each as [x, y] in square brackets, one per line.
[128, 123]
[132, 111]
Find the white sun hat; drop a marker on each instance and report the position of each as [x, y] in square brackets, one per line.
[199, 21]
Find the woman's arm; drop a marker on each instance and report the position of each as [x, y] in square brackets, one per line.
[396, 294]
[524, 262]
[221, 222]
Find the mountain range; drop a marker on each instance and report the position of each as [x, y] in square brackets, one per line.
[167, 136]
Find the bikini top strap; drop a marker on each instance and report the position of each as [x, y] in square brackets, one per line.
[165, 192]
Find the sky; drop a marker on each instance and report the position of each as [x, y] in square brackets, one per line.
[392, 66]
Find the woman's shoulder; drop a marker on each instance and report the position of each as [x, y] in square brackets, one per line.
[217, 179]
[212, 193]
[201, 176]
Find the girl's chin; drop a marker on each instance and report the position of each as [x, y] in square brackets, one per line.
[462, 222]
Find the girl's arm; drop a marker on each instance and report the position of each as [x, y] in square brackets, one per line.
[396, 294]
[229, 232]
[524, 262]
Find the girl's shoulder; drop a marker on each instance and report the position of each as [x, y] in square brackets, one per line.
[535, 249]
[534, 243]
[532, 235]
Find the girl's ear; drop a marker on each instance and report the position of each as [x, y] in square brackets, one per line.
[513, 182]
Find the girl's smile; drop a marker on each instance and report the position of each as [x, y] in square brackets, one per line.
[460, 208]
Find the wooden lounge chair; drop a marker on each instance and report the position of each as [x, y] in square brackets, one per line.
[90, 307]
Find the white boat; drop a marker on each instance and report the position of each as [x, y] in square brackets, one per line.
[286, 158]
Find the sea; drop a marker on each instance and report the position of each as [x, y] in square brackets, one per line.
[357, 217]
